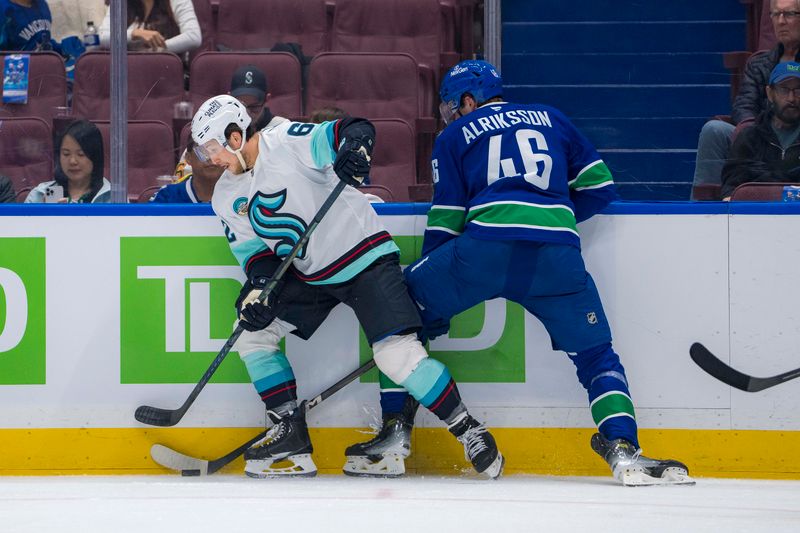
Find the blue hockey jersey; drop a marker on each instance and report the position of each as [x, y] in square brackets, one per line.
[512, 171]
[25, 29]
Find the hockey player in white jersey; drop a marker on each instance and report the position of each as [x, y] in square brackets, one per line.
[288, 171]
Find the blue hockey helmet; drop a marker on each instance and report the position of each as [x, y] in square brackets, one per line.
[476, 77]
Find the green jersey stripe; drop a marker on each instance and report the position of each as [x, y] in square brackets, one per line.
[592, 176]
[450, 220]
[610, 404]
[524, 215]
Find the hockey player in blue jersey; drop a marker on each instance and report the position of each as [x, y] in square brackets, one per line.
[512, 182]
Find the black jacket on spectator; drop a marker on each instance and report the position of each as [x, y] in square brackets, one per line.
[7, 193]
[756, 155]
[752, 98]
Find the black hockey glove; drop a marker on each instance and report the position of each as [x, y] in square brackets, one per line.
[255, 315]
[352, 162]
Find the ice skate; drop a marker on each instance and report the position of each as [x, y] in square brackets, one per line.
[284, 451]
[384, 455]
[633, 469]
[479, 446]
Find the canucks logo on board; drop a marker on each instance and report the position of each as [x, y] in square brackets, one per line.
[284, 228]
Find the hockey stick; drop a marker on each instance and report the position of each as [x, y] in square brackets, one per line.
[191, 466]
[156, 416]
[720, 370]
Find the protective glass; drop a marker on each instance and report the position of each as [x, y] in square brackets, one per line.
[448, 111]
[206, 151]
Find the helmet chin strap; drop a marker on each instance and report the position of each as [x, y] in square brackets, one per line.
[240, 157]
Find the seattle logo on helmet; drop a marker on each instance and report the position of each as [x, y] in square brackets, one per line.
[284, 228]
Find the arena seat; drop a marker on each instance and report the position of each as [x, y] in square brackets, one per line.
[375, 86]
[210, 74]
[706, 192]
[260, 24]
[47, 88]
[208, 27]
[150, 153]
[155, 85]
[367, 85]
[409, 26]
[760, 192]
[394, 158]
[26, 151]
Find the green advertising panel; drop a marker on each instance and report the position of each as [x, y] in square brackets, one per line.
[155, 297]
[22, 311]
[161, 324]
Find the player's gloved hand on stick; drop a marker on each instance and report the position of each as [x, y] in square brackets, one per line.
[352, 162]
[432, 329]
[255, 315]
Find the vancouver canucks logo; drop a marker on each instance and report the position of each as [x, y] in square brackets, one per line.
[284, 228]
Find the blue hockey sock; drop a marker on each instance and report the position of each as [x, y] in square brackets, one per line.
[432, 386]
[602, 375]
[272, 376]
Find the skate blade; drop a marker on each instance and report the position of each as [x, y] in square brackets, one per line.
[671, 476]
[389, 466]
[300, 465]
[495, 469]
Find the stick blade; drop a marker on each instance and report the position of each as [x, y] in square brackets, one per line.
[174, 460]
[154, 416]
[712, 364]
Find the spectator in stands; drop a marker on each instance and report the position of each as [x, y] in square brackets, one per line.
[324, 114]
[79, 167]
[196, 186]
[249, 86]
[769, 151]
[7, 193]
[716, 136]
[70, 17]
[25, 26]
[157, 26]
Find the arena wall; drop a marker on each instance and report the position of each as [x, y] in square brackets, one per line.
[104, 308]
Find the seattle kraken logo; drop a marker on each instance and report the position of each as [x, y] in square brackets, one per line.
[284, 228]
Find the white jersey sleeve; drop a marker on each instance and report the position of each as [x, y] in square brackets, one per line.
[291, 179]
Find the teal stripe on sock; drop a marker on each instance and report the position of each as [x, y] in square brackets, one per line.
[268, 369]
[427, 382]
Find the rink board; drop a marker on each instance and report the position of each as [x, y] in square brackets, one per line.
[104, 308]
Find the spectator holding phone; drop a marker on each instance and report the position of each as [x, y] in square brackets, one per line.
[157, 26]
[79, 169]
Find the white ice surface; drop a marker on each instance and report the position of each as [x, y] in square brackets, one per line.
[225, 503]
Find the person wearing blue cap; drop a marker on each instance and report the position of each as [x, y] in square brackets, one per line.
[769, 151]
[717, 136]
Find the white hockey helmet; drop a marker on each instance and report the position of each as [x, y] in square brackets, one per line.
[211, 121]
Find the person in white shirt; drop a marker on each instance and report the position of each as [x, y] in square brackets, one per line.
[157, 26]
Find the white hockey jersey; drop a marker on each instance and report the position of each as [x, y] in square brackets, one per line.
[267, 209]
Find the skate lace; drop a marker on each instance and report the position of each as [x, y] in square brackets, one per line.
[473, 441]
[274, 433]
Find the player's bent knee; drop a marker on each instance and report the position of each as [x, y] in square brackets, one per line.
[267, 339]
[397, 356]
